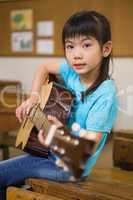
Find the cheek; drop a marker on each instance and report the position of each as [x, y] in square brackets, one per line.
[68, 56]
[95, 55]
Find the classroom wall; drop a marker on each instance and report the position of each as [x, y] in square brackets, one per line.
[23, 69]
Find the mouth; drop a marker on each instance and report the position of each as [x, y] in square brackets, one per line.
[79, 65]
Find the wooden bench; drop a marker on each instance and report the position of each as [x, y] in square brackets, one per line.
[102, 184]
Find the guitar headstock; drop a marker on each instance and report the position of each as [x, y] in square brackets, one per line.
[72, 150]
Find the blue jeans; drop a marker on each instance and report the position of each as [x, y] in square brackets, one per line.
[15, 170]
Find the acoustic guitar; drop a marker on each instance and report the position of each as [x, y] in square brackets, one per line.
[73, 152]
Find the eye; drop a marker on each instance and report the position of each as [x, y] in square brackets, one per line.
[86, 45]
[69, 46]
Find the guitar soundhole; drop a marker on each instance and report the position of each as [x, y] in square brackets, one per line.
[35, 130]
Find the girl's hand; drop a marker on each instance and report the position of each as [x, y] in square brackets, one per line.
[53, 120]
[90, 135]
[23, 110]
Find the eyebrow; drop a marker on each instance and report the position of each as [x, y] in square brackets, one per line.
[86, 38]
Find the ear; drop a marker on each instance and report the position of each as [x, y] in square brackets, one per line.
[107, 48]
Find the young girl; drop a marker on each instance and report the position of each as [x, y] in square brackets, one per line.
[87, 44]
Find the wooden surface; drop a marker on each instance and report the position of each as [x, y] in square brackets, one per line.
[123, 149]
[102, 184]
[8, 122]
[10, 98]
[14, 193]
[119, 13]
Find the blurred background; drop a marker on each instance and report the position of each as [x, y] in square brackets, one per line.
[30, 34]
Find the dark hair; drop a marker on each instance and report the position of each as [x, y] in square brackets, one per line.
[90, 23]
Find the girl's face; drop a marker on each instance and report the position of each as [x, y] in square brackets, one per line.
[84, 54]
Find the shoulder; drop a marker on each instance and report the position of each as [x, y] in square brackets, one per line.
[103, 108]
[104, 96]
[106, 89]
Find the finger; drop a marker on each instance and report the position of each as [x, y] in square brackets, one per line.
[28, 109]
[18, 114]
[50, 117]
[20, 111]
[23, 113]
[53, 119]
[41, 136]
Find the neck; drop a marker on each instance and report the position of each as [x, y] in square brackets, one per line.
[89, 78]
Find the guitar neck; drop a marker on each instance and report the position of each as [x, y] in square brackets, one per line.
[73, 151]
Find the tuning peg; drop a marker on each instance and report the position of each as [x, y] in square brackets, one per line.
[61, 132]
[76, 142]
[62, 151]
[75, 127]
[55, 147]
[68, 138]
[60, 163]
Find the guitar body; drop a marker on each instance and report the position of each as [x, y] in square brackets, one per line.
[57, 101]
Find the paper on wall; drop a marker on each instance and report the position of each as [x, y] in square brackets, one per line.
[45, 28]
[21, 19]
[22, 41]
[45, 46]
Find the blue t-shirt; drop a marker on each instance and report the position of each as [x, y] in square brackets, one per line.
[97, 112]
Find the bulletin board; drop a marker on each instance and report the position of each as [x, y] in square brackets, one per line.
[33, 14]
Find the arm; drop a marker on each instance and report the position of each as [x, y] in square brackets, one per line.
[83, 133]
[38, 80]
[91, 135]
[41, 75]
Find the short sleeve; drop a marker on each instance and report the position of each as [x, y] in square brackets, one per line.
[103, 113]
[64, 71]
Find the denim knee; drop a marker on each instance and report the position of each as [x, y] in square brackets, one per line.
[2, 193]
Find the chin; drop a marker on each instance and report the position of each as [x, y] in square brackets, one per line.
[81, 71]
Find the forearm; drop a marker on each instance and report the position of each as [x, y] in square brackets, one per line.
[89, 135]
[39, 78]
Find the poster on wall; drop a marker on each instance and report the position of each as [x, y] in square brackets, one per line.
[45, 28]
[21, 19]
[22, 42]
[45, 46]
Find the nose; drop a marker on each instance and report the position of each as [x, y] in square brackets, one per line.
[78, 53]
